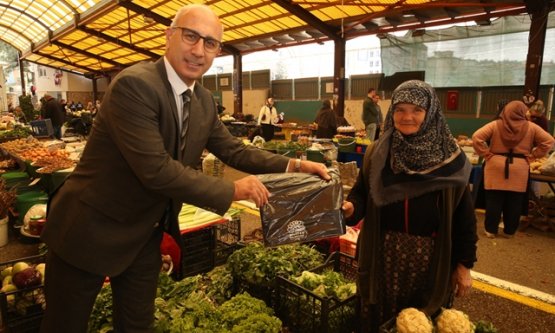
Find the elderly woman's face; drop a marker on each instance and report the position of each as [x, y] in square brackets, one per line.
[407, 118]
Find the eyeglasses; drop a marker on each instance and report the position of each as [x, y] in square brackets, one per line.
[192, 37]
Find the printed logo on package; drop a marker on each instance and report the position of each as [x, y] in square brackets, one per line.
[297, 230]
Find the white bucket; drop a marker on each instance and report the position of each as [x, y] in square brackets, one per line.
[4, 231]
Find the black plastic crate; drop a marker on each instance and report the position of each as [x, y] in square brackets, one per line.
[197, 255]
[265, 293]
[301, 310]
[21, 310]
[42, 127]
[198, 240]
[228, 235]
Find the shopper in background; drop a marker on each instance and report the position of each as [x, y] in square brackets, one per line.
[370, 114]
[418, 239]
[537, 115]
[267, 118]
[508, 145]
[137, 170]
[52, 109]
[379, 127]
[19, 115]
[63, 104]
[326, 121]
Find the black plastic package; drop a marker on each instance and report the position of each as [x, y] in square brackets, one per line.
[301, 208]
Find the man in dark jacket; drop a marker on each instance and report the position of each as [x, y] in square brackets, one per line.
[53, 111]
[370, 114]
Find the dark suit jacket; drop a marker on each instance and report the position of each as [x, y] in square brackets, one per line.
[132, 169]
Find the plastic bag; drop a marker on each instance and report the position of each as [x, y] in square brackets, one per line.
[548, 167]
[212, 166]
[301, 208]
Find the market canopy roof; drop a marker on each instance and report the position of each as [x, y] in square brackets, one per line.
[101, 36]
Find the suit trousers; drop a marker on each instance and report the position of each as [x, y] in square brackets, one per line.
[133, 293]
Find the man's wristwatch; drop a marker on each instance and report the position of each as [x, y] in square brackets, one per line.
[297, 165]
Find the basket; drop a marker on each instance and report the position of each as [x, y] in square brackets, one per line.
[301, 310]
[22, 310]
[42, 127]
[197, 254]
[315, 155]
[227, 237]
[346, 145]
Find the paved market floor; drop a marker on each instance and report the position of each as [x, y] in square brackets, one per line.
[514, 279]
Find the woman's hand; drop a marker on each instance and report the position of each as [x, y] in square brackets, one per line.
[462, 280]
[348, 208]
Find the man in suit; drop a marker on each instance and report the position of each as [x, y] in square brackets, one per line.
[137, 169]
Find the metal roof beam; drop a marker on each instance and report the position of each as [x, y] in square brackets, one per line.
[48, 56]
[86, 53]
[146, 12]
[116, 41]
[307, 16]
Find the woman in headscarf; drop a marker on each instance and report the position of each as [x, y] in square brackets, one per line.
[326, 121]
[418, 239]
[508, 145]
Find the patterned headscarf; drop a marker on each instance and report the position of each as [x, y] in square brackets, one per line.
[513, 124]
[426, 161]
[432, 144]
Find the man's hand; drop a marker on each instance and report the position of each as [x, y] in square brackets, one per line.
[319, 169]
[251, 188]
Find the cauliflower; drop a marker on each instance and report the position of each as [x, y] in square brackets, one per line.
[412, 320]
[453, 321]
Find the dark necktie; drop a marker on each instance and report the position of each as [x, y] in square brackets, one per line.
[185, 124]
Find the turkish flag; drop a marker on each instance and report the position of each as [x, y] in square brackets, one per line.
[452, 100]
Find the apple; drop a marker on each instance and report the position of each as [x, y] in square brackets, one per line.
[28, 277]
[19, 266]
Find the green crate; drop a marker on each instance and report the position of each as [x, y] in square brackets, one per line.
[315, 155]
[347, 145]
